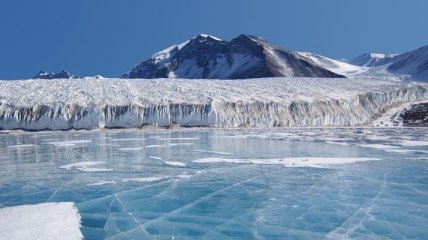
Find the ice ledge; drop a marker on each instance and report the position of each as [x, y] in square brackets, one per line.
[47, 221]
[276, 102]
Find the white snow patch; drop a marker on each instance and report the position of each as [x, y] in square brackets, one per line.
[409, 143]
[127, 139]
[45, 221]
[379, 146]
[164, 55]
[391, 118]
[176, 164]
[338, 143]
[86, 167]
[22, 146]
[143, 179]
[94, 169]
[214, 152]
[68, 143]
[184, 176]
[131, 149]
[206, 35]
[155, 146]
[342, 68]
[168, 145]
[100, 183]
[171, 163]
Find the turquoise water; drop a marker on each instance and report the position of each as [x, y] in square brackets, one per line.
[134, 184]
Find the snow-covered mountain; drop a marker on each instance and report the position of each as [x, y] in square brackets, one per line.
[50, 75]
[414, 63]
[207, 57]
[372, 59]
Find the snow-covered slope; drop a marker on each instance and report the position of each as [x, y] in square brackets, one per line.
[414, 63]
[207, 57]
[99, 103]
[412, 114]
[411, 65]
[372, 59]
[339, 67]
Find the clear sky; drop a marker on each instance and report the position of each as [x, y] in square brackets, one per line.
[108, 37]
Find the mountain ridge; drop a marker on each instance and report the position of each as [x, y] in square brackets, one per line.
[246, 56]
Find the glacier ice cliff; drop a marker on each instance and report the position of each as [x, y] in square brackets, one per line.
[270, 102]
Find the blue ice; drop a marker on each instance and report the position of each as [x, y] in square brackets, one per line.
[135, 184]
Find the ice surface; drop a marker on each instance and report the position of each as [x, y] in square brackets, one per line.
[272, 102]
[47, 221]
[288, 162]
[252, 192]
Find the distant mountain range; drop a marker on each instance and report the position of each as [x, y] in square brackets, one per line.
[60, 75]
[50, 75]
[372, 59]
[413, 63]
[247, 56]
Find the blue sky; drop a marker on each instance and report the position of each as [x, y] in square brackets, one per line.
[108, 37]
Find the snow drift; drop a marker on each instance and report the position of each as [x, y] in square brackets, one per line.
[47, 221]
[271, 102]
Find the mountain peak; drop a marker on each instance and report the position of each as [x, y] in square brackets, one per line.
[208, 57]
[50, 75]
[249, 37]
[206, 36]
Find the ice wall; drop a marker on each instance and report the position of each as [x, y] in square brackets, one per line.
[333, 112]
[212, 107]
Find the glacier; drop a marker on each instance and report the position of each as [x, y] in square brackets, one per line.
[271, 102]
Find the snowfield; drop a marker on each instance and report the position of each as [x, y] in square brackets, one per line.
[271, 102]
[47, 221]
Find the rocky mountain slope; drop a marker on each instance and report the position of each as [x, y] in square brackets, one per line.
[207, 57]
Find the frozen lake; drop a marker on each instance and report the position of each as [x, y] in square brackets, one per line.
[307, 183]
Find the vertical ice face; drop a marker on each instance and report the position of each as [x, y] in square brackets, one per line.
[276, 102]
